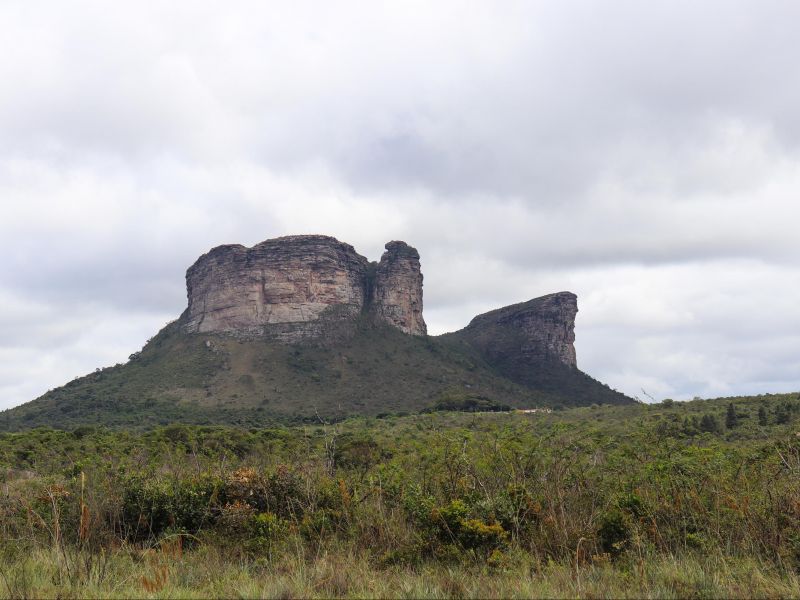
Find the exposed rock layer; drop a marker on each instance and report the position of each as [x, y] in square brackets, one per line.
[292, 287]
[532, 344]
[542, 329]
[397, 292]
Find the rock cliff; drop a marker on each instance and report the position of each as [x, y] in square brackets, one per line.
[532, 344]
[541, 329]
[397, 291]
[293, 287]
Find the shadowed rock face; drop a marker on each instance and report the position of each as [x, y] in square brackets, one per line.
[532, 344]
[292, 287]
[542, 329]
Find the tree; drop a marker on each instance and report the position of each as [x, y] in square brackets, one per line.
[762, 416]
[691, 425]
[783, 413]
[731, 418]
[709, 424]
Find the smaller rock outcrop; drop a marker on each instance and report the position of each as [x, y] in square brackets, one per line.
[397, 290]
[530, 332]
[533, 344]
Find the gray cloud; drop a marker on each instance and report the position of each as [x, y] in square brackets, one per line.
[642, 155]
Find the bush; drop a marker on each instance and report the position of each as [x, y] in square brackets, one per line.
[731, 418]
[469, 534]
[152, 508]
[613, 534]
[709, 424]
[466, 402]
[266, 531]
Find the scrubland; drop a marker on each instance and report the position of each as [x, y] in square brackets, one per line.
[698, 499]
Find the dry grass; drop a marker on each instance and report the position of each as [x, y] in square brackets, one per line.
[206, 573]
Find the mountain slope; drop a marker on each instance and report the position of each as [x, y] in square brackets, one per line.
[304, 328]
[209, 378]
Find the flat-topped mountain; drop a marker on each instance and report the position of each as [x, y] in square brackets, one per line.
[305, 328]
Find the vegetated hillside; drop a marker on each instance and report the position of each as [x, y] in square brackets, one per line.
[208, 379]
[672, 500]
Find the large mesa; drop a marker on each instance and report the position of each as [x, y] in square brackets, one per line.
[292, 287]
[238, 353]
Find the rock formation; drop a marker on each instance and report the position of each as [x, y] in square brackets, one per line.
[397, 291]
[542, 329]
[293, 287]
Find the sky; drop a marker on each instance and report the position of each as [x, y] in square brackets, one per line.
[643, 155]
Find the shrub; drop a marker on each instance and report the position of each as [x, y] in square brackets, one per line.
[467, 402]
[731, 418]
[613, 533]
[151, 508]
[359, 454]
[709, 424]
[470, 534]
[266, 531]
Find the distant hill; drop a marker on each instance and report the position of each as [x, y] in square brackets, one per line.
[303, 329]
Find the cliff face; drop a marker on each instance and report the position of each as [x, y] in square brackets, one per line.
[542, 329]
[291, 287]
[397, 291]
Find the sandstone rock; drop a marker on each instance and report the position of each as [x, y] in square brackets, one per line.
[529, 333]
[297, 287]
[289, 280]
[397, 292]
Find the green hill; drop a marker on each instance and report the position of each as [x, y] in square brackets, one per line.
[374, 370]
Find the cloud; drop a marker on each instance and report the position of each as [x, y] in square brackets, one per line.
[644, 156]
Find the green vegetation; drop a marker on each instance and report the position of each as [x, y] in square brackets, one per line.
[622, 501]
[465, 402]
[208, 379]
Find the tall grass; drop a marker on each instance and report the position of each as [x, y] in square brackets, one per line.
[208, 573]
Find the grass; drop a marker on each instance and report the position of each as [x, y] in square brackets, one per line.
[206, 573]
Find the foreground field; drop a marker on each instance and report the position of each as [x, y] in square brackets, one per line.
[206, 573]
[672, 500]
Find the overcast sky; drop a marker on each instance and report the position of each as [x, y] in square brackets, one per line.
[644, 155]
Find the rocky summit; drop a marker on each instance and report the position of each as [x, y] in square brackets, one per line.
[303, 328]
[291, 287]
